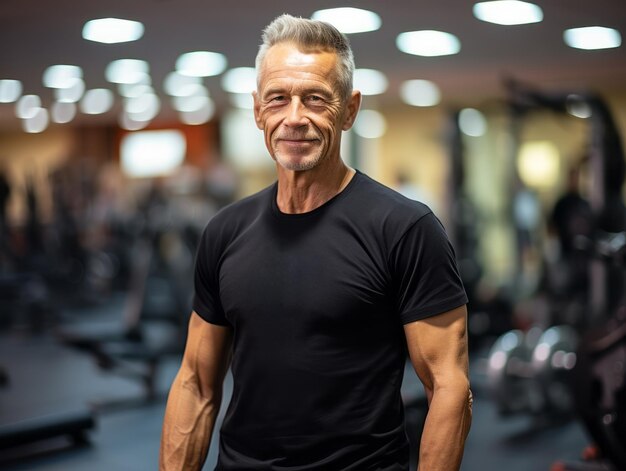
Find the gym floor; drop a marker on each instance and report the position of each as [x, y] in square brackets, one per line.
[46, 377]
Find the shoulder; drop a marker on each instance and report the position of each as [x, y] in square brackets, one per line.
[234, 217]
[387, 208]
[383, 198]
[382, 215]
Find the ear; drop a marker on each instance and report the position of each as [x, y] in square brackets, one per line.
[354, 103]
[257, 110]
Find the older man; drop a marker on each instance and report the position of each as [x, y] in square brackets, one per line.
[313, 290]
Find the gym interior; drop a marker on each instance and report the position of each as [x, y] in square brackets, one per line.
[118, 142]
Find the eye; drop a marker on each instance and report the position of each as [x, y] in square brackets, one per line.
[314, 99]
[278, 99]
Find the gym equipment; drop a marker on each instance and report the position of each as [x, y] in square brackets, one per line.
[600, 388]
[530, 372]
[599, 380]
[21, 426]
[607, 165]
[73, 423]
[487, 317]
[508, 371]
[518, 377]
[154, 321]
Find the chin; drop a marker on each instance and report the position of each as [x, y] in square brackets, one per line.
[298, 165]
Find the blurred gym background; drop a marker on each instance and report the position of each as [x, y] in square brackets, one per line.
[120, 140]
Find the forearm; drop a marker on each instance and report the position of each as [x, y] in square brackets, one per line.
[187, 426]
[445, 430]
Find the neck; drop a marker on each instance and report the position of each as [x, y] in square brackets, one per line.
[304, 191]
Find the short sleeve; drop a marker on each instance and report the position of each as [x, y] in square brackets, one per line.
[206, 301]
[425, 275]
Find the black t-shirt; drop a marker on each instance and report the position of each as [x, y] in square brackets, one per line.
[317, 302]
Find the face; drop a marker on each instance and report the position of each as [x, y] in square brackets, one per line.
[299, 108]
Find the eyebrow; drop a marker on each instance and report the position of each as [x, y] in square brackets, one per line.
[307, 91]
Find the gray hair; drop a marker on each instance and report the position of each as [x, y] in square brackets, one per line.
[310, 34]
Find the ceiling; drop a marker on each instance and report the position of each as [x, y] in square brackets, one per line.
[35, 34]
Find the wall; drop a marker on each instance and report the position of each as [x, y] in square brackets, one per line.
[28, 159]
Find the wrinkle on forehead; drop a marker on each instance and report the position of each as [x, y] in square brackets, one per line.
[288, 56]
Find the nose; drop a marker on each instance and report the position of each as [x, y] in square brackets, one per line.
[295, 113]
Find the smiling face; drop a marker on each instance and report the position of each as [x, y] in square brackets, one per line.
[299, 107]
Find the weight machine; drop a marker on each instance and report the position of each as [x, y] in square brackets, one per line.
[577, 369]
[487, 317]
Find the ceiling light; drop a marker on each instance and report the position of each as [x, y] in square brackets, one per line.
[242, 100]
[370, 124]
[112, 30]
[508, 12]
[36, 123]
[199, 116]
[201, 64]
[592, 37]
[61, 76]
[63, 112]
[193, 89]
[175, 82]
[349, 20]
[189, 104]
[97, 101]
[133, 90]
[127, 122]
[472, 122]
[143, 108]
[577, 106]
[10, 90]
[240, 80]
[428, 43]
[27, 106]
[129, 71]
[370, 81]
[72, 93]
[420, 93]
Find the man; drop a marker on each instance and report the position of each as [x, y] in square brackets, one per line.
[315, 287]
[572, 219]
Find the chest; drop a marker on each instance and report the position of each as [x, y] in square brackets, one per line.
[327, 277]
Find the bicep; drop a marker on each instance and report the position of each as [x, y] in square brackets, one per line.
[207, 353]
[437, 347]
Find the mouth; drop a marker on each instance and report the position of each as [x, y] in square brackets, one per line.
[295, 142]
[296, 139]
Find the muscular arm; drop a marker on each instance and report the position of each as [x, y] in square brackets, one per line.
[438, 350]
[195, 397]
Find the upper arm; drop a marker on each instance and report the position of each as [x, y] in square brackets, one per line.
[437, 347]
[207, 354]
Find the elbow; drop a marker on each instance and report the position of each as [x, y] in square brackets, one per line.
[193, 385]
[455, 390]
[457, 400]
[210, 394]
[462, 400]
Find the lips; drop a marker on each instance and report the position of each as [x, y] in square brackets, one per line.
[292, 142]
[296, 138]
[296, 141]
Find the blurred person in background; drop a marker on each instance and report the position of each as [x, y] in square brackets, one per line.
[313, 290]
[572, 222]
